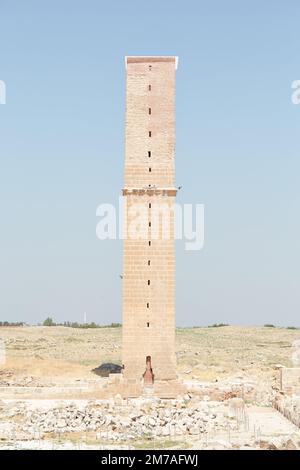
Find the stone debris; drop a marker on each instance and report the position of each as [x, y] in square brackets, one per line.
[255, 392]
[289, 406]
[232, 378]
[279, 443]
[204, 424]
[122, 420]
[11, 378]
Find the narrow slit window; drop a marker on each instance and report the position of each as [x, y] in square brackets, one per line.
[149, 87]
[147, 304]
[148, 324]
[148, 282]
[149, 205]
[149, 153]
[149, 110]
[150, 169]
[149, 224]
[149, 243]
[149, 262]
[150, 133]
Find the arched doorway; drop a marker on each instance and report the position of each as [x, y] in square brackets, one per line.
[148, 375]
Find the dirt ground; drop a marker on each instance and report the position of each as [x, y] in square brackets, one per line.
[63, 355]
[215, 364]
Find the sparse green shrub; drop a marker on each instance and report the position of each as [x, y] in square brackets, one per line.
[49, 322]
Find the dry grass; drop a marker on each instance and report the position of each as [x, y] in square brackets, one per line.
[66, 354]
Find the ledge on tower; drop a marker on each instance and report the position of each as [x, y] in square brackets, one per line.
[156, 58]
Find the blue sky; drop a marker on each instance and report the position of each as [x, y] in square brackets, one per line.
[62, 150]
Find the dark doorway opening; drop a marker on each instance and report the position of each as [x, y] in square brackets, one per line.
[148, 375]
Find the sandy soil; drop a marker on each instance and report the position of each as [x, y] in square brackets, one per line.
[213, 363]
[61, 355]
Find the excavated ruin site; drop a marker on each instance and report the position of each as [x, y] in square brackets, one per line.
[51, 399]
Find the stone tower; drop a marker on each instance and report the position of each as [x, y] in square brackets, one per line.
[149, 190]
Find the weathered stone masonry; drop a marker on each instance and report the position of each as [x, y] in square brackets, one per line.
[149, 264]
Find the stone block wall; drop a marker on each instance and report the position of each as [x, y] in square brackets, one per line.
[149, 256]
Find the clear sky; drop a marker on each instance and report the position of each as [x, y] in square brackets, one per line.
[62, 151]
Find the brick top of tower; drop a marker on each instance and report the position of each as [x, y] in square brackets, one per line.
[135, 59]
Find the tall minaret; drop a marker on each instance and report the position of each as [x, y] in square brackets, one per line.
[149, 190]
